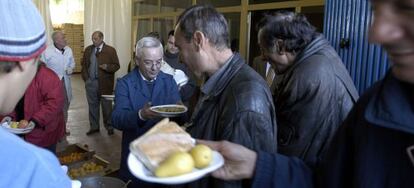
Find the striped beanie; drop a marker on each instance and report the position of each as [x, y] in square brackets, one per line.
[22, 31]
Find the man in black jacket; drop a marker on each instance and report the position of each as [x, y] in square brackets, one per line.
[314, 91]
[235, 102]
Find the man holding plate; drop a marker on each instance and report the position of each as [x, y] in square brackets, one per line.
[135, 93]
[235, 102]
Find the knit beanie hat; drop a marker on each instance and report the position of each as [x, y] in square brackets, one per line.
[22, 31]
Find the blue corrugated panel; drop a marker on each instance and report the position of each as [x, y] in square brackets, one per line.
[350, 19]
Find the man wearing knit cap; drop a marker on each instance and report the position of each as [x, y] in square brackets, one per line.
[22, 40]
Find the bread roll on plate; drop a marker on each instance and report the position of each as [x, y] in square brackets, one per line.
[162, 140]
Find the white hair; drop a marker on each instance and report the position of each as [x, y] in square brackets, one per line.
[147, 42]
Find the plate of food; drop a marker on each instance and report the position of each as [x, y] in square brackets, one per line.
[22, 127]
[169, 110]
[166, 154]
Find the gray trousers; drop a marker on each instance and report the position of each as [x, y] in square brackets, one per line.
[94, 101]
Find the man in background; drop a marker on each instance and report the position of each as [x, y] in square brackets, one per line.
[99, 64]
[182, 76]
[314, 91]
[59, 58]
[265, 70]
[23, 39]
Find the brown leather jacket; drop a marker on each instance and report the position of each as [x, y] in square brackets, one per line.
[108, 57]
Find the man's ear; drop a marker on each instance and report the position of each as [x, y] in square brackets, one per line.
[280, 46]
[136, 60]
[198, 40]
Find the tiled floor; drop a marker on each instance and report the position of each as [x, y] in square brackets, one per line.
[105, 146]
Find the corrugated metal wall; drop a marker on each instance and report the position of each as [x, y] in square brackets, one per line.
[349, 20]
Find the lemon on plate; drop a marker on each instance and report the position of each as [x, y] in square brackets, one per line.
[177, 164]
[202, 155]
[14, 124]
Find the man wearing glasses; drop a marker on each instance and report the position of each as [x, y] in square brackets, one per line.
[143, 87]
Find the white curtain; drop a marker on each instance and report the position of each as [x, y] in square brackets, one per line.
[113, 18]
[43, 7]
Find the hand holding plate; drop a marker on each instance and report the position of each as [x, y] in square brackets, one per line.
[6, 119]
[147, 113]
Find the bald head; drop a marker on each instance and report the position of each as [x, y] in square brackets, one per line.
[97, 38]
[59, 40]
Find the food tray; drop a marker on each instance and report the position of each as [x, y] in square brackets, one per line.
[74, 153]
[94, 166]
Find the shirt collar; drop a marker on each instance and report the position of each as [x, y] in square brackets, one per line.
[212, 81]
[100, 47]
[143, 77]
[58, 50]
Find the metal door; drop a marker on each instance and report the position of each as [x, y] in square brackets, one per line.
[346, 26]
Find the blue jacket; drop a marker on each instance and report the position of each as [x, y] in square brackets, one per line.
[25, 165]
[131, 94]
[369, 149]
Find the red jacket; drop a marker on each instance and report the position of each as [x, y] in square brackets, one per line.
[43, 103]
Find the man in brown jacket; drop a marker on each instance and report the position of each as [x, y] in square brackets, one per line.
[99, 64]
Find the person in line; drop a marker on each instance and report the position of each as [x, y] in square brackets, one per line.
[235, 103]
[374, 147]
[135, 93]
[59, 58]
[263, 67]
[23, 39]
[41, 106]
[184, 78]
[99, 64]
[314, 91]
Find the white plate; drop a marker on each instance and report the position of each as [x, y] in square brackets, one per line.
[169, 114]
[26, 130]
[139, 171]
[108, 97]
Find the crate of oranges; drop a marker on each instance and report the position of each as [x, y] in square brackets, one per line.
[95, 166]
[74, 153]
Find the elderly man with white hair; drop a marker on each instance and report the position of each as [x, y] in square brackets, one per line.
[144, 86]
[59, 58]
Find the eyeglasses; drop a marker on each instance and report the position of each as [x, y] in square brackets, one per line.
[149, 63]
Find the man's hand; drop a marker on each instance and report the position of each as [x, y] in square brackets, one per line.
[147, 114]
[103, 66]
[6, 119]
[180, 102]
[69, 71]
[31, 123]
[239, 162]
